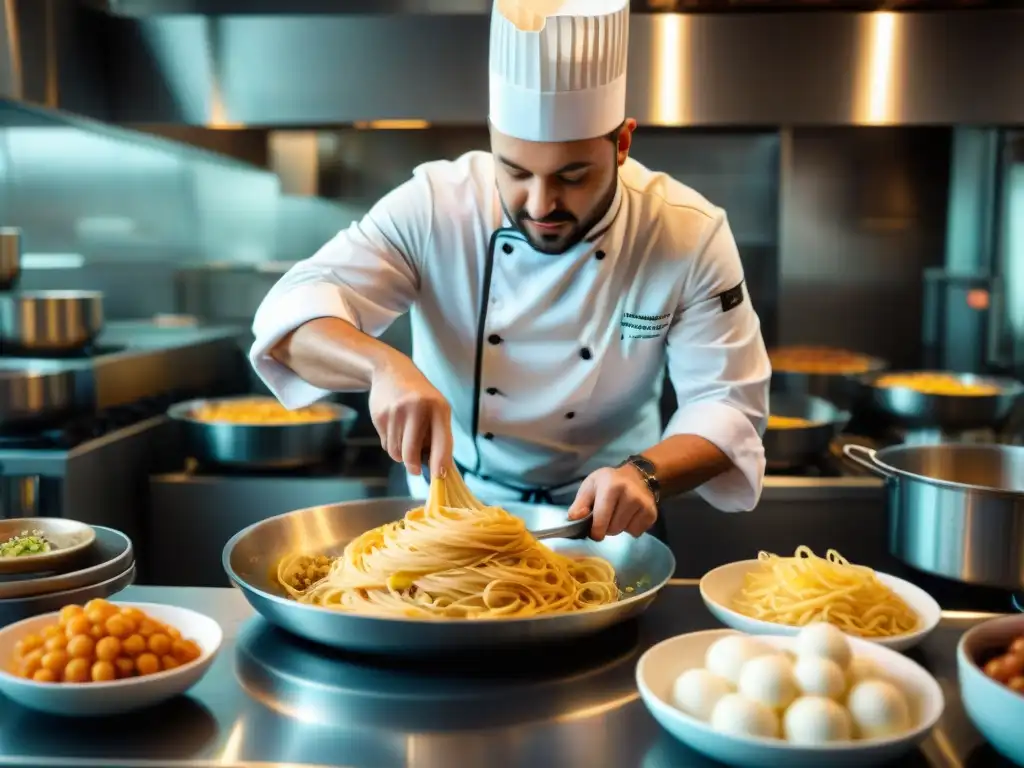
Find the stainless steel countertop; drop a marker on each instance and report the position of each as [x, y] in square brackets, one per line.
[272, 699]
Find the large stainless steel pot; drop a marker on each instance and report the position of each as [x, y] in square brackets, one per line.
[251, 556]
[50, 322]
[912, 409]
[30, 394]
[955, 510]
[798, 446]
[261, 446]
[10, 257]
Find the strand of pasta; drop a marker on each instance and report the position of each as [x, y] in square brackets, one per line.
[454, 558]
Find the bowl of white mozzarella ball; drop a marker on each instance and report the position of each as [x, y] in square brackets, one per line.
[816, 699]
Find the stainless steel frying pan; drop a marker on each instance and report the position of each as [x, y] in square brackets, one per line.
[912, 409]
[642, 567]
[799, 446]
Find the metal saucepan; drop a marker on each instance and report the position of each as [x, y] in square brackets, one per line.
[50, 322]
[909, 408]
[251, 556]
[31, 394]
[261, 446]
[797, 446]
[837, 385]
[10, 257]
[955, 509]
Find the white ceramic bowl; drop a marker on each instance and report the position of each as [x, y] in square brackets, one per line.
[720, 586]
[117, 696]
[994, 709]
[659, 667]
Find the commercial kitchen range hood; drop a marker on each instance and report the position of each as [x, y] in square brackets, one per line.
[292, 63]
[335, 7]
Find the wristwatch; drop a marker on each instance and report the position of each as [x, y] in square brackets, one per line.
[648, 472]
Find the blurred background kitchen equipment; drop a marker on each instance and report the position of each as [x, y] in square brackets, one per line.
[955, 510]
[800, 428]
[962, 313]
[913, 409]
[266, 446]
[823, 372]
[50, 322]
[33, 394]
[10, 257]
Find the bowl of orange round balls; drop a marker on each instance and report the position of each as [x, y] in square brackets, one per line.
[105, 658]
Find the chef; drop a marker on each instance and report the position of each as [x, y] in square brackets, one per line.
[549, 283]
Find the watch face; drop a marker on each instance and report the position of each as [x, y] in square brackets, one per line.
[643, 463]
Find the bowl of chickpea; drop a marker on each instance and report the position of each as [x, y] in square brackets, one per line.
[990, 666]
[105, 658]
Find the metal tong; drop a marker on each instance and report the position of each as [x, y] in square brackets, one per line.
[571, 529]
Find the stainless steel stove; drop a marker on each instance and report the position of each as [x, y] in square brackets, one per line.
[133, 360]
[94, 465]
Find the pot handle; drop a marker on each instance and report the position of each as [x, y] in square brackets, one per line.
[865, 457]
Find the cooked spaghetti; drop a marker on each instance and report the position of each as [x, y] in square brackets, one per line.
[806, 588]
[453, 558]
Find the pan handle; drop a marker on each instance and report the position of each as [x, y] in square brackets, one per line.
[865, 457]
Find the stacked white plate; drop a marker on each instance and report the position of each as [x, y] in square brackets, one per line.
[102, 565]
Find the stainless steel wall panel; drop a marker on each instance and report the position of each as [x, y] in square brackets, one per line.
[863, 213]
[685, 69]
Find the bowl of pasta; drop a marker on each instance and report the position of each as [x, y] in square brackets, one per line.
[820, 698]
[775, 595]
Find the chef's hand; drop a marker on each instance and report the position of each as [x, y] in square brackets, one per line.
[412, 418]
[620, 499]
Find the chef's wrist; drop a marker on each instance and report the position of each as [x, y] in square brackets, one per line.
[385, 362]
[644, 469]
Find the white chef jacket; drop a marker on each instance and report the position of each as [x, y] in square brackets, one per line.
[553, 364]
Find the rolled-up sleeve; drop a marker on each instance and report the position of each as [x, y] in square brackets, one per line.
[719, 369]
[368, 275]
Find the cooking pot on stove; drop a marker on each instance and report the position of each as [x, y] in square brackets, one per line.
[955, 509]
[10, 257]
[50, 322]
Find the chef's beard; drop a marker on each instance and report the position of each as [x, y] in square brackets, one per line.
[560, 243]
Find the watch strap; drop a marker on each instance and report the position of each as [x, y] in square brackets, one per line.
[648, 472]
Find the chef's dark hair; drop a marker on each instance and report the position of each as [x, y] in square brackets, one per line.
[614, 135]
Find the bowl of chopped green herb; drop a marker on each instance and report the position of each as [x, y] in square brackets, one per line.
[42, 544]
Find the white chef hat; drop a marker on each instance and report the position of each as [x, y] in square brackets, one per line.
[558, 68]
